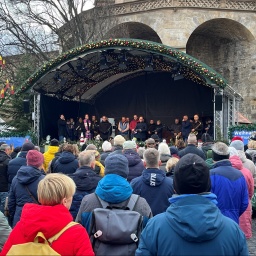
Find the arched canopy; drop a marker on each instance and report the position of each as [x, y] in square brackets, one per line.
[81, 73]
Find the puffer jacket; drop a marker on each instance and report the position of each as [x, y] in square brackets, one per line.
[135, 163]
[155, 187]
[86, 181]
[49, 155]
[50, 220]
[245, 220]
[27, 176]
[66, 163]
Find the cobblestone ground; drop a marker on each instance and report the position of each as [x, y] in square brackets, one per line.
[252, 242]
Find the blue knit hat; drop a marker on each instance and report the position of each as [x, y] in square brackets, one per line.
[117, 164]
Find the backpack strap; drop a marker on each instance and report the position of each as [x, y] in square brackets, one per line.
[132, 201]
[103, 203]
[55, 237]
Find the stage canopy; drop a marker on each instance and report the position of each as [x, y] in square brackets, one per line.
[118, 77]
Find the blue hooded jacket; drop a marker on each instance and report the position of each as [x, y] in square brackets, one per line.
[155, 187]
[192, 225]
[18, 195]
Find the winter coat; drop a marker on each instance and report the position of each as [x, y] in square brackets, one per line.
[61, 127]
[27, 176]
[105, 129]
[15, 164]
[4, 160]
[142, 133]
[49, 155]
[50, 220]
[185, 128]
[155, 187]
[164, 159]
[5, 230]
[117, 150]
[229, 185]
[135, 164]
[245, 220]
[86, 181]
[192, 225]
[115, 190]
[66, 163]
[52, 162]
[99, 168]
[252, 153]
[191, 148]
[104, 155]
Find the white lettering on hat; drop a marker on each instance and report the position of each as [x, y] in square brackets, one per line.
[153, 179]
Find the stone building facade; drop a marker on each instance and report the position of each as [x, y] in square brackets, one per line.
[221, 33]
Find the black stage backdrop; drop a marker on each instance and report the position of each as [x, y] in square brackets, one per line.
[153, 95]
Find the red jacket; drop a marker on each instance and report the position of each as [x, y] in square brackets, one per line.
[133, 124]
[50, 220]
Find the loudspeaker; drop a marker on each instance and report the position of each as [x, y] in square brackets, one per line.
[218, 102]
[26, 106]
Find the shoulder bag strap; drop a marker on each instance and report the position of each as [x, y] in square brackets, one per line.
[30, 194]
[103, 203]
[132, 201]
[55, 237]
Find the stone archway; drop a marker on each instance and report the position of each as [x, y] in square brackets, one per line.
[135, 30]
[227, 46]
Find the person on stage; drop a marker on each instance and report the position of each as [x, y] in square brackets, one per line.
[197, 127]
[208, 128]
[79, 128]
[132, 125]
[159, 129]
[185, 127]
[87, 126]
[140, 131]
[175, 130]
[94, 127]
[61, 127]
[105, 128]
[123, 128]
[151, 128]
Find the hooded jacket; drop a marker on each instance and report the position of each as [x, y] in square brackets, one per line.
[245, 220]
[192, 225]
[115, 190]
[5, 230]
[229, 185]
[135, 164]
[86, 181]
[50, 220]
[66, 163]
[191, 148]
[155, 187]
[49, 155]
[15, 164]
[4, 160]
[247, 163]
[27, 176]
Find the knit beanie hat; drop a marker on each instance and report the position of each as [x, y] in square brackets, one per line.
[232, 151]
[34, 158]
[27, 146]
[192, 138]
[117, 164]
[129, 144]
[191, 175]
[220, 151]
[119, 140]
[237, 144]
[54, 142]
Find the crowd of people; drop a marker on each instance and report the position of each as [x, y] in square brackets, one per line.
[136, 128]
[129, 200]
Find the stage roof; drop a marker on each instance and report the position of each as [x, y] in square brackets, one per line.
[81, 74]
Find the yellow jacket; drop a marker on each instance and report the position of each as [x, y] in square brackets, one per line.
[102, 168]
[49, 155]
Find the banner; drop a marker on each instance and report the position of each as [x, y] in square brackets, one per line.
[245, 135]
[15, 141]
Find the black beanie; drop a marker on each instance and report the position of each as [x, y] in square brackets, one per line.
[54, 142]
[191, 175]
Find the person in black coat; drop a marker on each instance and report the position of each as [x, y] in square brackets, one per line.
[15, 152]
[105, 128]
[159, 129]
[85, 178]
[67, 162]
[62, 127]
[24, 185]
[191, 147]
[141, 130]
[15, 164]
[151, 128]
[185, 127]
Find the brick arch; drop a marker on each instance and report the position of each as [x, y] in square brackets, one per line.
[135, 30]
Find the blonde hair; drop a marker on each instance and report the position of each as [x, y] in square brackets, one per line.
[54, 188]
[171, 163]
[252, 144]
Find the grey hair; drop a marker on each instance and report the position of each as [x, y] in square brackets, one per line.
[4, 147]
[163, 149]
[141, 151]
[86, 157]
[151, 157]
[106, 146]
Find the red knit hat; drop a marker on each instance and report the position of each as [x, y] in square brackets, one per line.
[35, 158]
[237, 138]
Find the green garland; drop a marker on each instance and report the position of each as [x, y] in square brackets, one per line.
[210, 75]
[240, 127]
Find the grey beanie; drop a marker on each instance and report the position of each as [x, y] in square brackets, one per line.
[117, 164]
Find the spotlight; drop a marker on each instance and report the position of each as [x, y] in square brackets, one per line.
[149, 65]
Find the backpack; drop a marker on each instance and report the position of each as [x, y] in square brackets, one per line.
[115, 230]
[37, 248]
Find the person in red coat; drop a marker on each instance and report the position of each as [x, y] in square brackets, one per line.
[55, 193]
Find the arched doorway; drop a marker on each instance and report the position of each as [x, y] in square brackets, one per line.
[134, 30]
